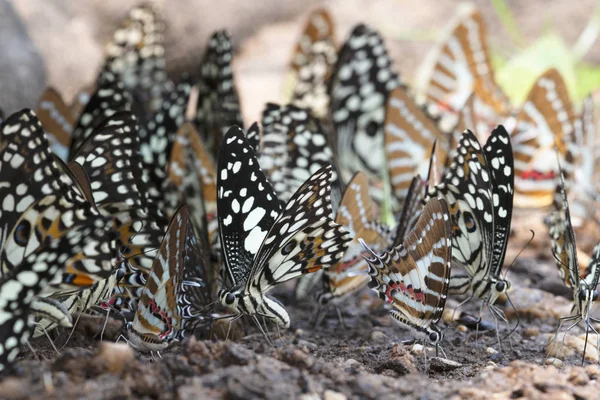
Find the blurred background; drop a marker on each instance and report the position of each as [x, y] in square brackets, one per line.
[60, 42]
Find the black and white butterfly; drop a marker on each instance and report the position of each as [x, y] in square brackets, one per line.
[361, 81]
[264, 245]
[479, 190]
[564, 249]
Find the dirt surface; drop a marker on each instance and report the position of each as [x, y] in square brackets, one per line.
[361, 355]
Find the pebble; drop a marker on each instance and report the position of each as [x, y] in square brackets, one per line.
[560, 348]
[13, 388]
[332, 395]
[491, 351]
[417, 349]
[462, 329]
[555, 362]
[532, 331]
[115, 356]
[440, 364]
[378, 336]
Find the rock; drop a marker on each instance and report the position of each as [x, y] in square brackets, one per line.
[379, 337]
[554, 285]
[555, 362]
[532, 331]
[115, 357]
[537, 304]
[297, 358]
[566, 345]
[417, 349]
[331, 395]
[22, 71]
[399, 361]
[439, 364]
[491, 351]
[13, 388]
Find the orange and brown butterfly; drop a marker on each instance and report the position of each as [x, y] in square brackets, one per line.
[543, 122]
[358, 215]
[175, 293]
[57, 120]
[414, 276]
[459, 66]
[192, 165]
[312, 61]
[410, 132]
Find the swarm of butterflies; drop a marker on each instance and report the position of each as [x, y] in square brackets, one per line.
[152, 198]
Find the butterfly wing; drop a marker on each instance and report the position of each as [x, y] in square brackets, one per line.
[562, 237]
[543, 121]
[246, 203]
[414, 277]
[409, 137]
[358, 216]
[467, 188]
[359, 86]
[57, 120]
[303, 239]
[499, 155]
[411, 210]
[312, 61]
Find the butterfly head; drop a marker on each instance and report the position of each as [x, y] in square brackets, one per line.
[434, 335]
[262, 306]
[499, 287]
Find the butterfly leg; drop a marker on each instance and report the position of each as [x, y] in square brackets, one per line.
[72, 331]
[597, 336]
[561, 321]
[105, 323]
[257, 322]
[341, 317]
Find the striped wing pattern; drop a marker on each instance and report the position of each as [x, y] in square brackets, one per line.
[478, 189]
[357, 214]
[414, 276]
[409, 137]
[545, 119]
[57, 120]
[462, 66]
[359, 87]
[166, 299]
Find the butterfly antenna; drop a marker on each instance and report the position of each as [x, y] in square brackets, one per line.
[50, 340]
[519, 253]
[518, 317]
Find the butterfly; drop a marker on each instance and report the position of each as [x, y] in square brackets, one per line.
[360, 83]
[545, 119]
[414, 276]
[175, 293]
[293, 146]
[264, 245]
[218, 106]
[313, 59]
[460, 65]
[583, 283]
[20, 286]
[478, 188]
[57, 120]
[358, 215]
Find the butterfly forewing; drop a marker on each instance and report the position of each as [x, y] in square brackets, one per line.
[57, 120]
[499, 155]
[247, 205]
[409, 136]
[361, 81]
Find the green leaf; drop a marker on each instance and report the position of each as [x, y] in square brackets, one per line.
[518, 75]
